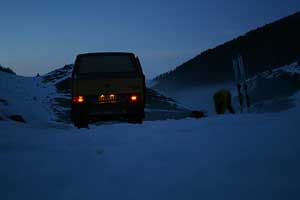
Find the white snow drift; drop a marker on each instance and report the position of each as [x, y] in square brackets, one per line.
[251, 156]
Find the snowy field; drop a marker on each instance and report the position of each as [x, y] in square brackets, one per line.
[243, 156]
[249, 156]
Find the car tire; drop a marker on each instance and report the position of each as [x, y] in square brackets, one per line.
[136, 118]
[80, 118]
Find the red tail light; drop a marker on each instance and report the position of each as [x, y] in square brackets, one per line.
[133, 98]
[78, 99]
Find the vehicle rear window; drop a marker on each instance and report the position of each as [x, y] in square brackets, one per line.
[106, 64]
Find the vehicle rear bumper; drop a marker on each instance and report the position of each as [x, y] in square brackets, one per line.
[109, 108]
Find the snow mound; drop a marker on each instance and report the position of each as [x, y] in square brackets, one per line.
[275, 90]
[28, 97]
[293, 68]
[236, 157]
[58, 75]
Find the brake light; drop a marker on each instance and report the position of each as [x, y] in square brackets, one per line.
[78, 99]
[133, 98]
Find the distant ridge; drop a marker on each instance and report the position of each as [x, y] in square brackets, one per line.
[6, 69]
[264, 48]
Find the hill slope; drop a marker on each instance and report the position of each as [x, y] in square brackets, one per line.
[268, 47]
[270, 91]
[275, 90]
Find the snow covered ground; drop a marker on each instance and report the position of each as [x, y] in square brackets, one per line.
[243, 156]
[249, 156]
[26, 96]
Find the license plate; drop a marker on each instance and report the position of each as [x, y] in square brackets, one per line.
[110, 98]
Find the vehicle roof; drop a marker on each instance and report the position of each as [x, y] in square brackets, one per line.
[104, 53]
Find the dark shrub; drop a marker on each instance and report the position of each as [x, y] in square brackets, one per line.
[17, 118]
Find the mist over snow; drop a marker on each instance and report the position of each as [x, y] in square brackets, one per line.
[269, 91]
[199, 98]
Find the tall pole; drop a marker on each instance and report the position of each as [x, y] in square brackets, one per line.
[244, 83]
[241, 83]
[238, 82]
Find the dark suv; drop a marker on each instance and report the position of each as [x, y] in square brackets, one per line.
[105, 85]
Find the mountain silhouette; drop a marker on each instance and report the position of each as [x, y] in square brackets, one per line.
[265, 48]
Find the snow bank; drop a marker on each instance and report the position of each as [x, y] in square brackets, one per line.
[275, 90]
[251, 156]
[26, 96]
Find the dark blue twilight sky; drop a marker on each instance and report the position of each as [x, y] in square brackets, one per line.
[39, 36]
